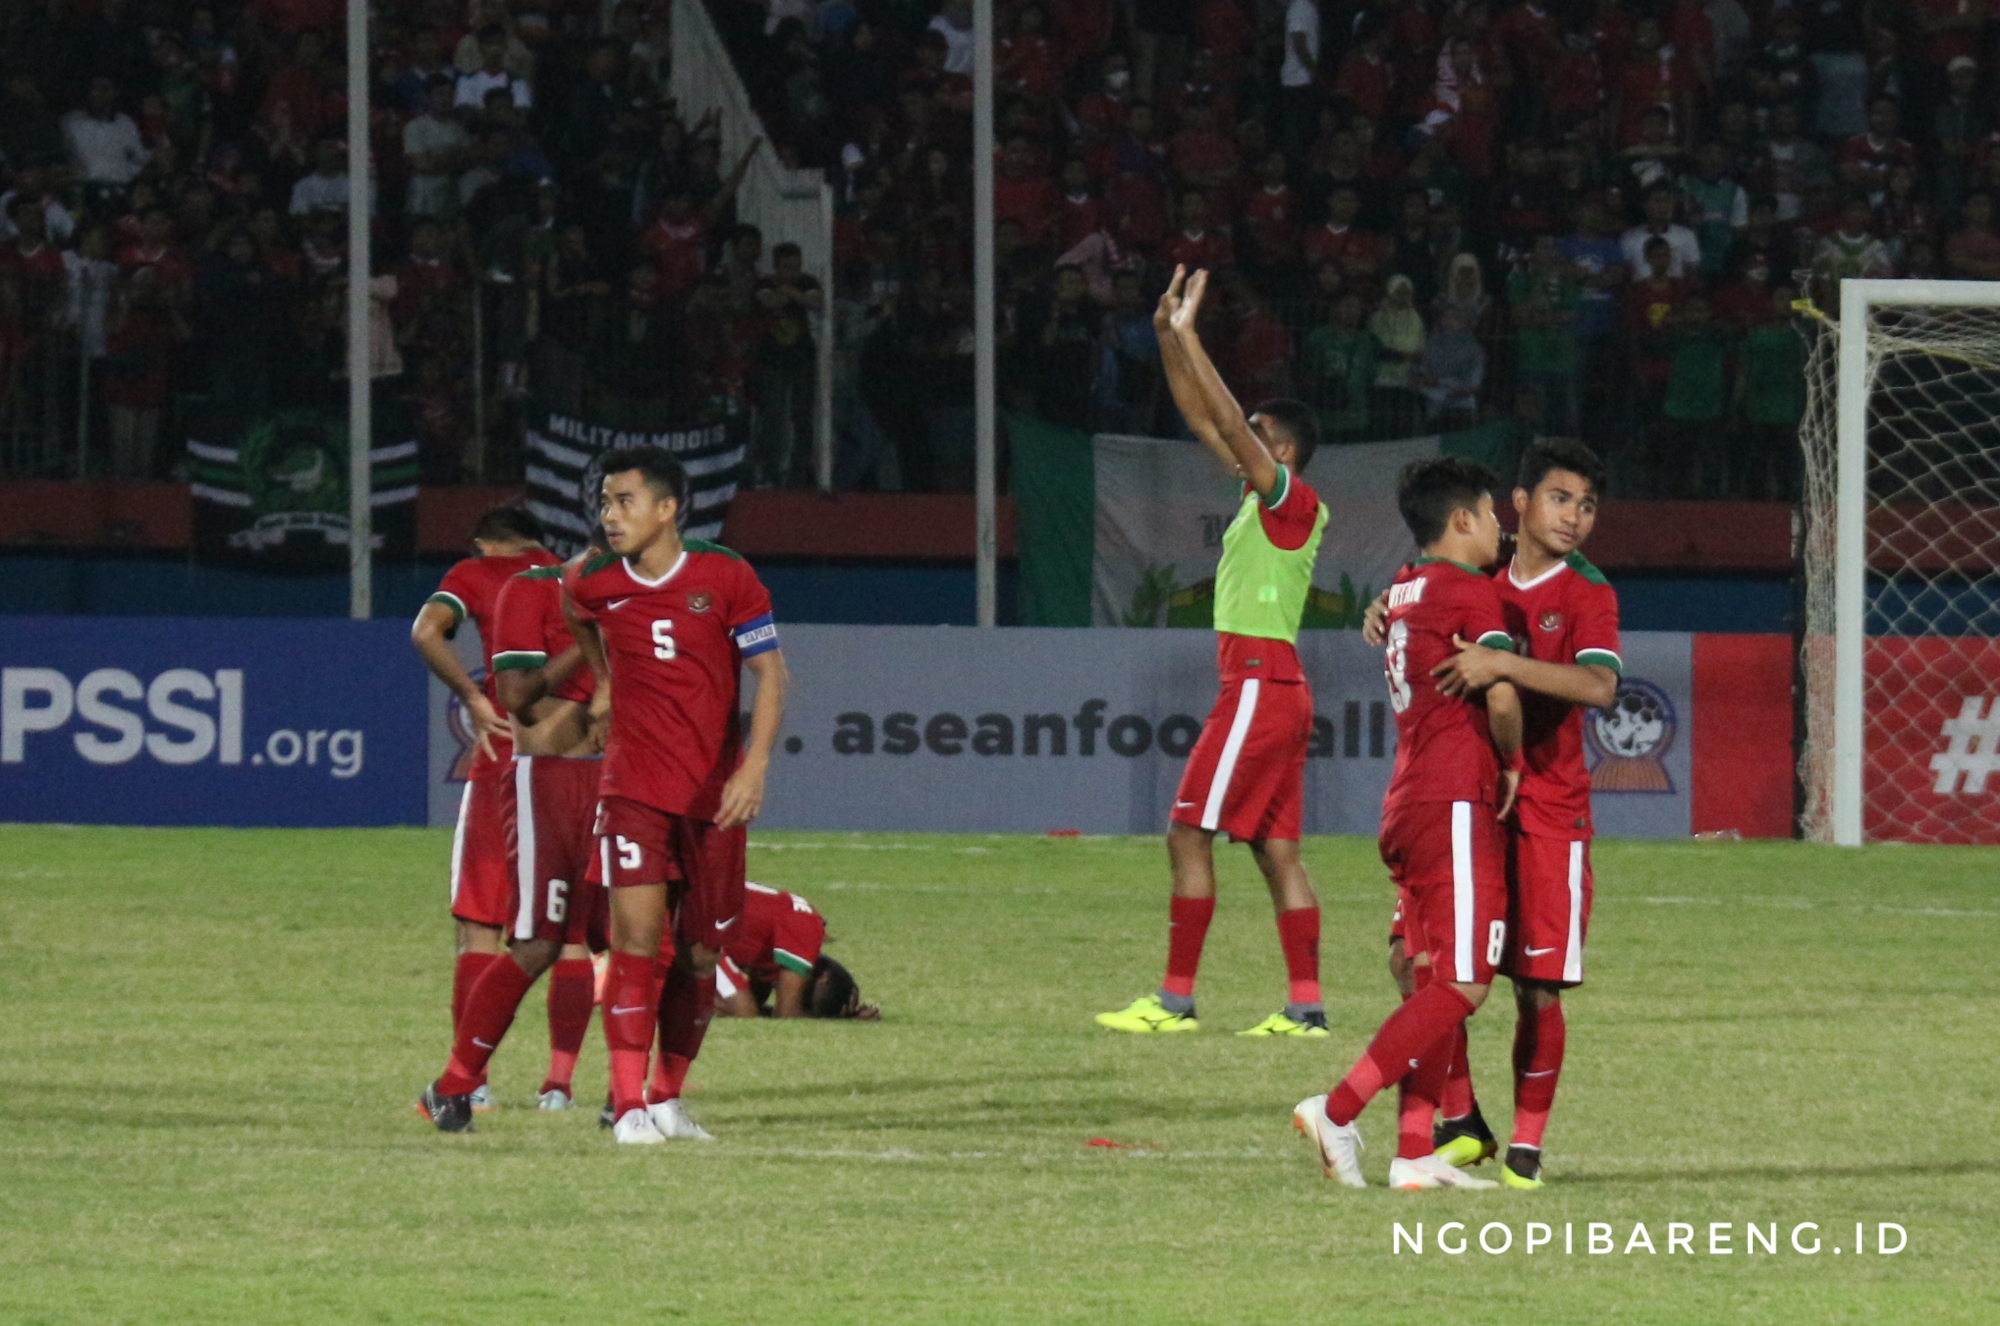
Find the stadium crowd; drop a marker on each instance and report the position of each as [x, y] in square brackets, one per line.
[1591, 217]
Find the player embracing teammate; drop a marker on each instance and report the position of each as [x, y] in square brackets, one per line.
[1561, 655]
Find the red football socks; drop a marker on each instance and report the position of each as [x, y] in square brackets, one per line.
[471, 966]
[1406, 1036]
[1458, 1100]
[687, 1002]
[1187, 931]
[631, 1012]
[1418, 1101]
[572, 983]
[489, 1011]
[1298, 936]
[1538, 1057]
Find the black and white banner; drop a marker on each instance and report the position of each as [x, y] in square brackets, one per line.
[565, 474]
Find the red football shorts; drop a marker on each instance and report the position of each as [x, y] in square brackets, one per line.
[482, 883]
[1246, 775]
[1449, 859]
[1548, 913]
[552, 841]
[701, 865]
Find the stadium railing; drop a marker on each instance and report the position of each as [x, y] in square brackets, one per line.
[786, 204]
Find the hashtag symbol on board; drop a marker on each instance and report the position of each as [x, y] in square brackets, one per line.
[1973, 747]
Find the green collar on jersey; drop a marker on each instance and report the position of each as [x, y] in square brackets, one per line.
[1426, 561]
[542, 573]
[704, 546]
[598, 563]
[1580, 564]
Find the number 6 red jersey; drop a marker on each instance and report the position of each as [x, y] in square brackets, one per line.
[675, 646]
[1444, 751]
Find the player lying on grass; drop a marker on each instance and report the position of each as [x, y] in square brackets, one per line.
[1563, 616]
[1246, 774]
[551, 848]
[505, 542]
[772, 964]
[668, 626]
[1457, 770]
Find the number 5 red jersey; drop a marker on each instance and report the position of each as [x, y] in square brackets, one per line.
[1444, 751]
[675, 646]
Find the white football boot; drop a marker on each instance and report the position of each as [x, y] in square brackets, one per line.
[636, 1128]
[671, 1118]
[1432, 1171]
[1339, 1144]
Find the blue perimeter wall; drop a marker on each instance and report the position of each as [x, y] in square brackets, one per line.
[868, 594]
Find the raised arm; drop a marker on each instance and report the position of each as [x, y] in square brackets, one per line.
[1188, 397]
[1246, 450]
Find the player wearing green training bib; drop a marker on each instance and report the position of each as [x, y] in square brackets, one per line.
[1246, 775]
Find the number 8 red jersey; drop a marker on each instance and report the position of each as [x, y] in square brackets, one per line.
[1443, 749]
[675, 646]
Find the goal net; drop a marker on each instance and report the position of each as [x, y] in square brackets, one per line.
[1900, 659]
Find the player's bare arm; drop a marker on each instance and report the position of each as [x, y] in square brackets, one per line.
[1253, 460]
[738, 1003]
[1181, 380]
[743, 794]
[1476, 667]
[431, 634]
[1505, 721]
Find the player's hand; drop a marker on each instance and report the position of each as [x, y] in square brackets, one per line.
[1375, 621]
[487, 723]
[742, 797]
[1170, 302]
[1473, 668]
[1190, 309]
[1510, 788]
[868, 1013]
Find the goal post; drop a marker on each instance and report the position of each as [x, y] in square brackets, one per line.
[1901, 443]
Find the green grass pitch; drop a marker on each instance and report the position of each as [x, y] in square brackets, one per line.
[212, 1040]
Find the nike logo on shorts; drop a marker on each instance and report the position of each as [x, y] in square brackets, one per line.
[724, 925]
[621, 1012]
[1537, 952]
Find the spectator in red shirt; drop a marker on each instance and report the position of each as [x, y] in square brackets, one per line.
[1196, 245]
[1081, 213]
[1224, 28]
[1865, 160]
[1531, 39]
[1358, 252]
[1973, 254]
[1271, 216]
[677, 243]
[154, 248]
[1028, 58]
[1365, 78]
[1653, 74]
[1651, 305]
[1950, 29]
[1103, 111]
[1023, 193]
[1203, 157]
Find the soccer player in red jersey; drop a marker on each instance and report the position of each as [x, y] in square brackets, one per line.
[550, 841]
[506, 542]
[1246, 774]
[668, 625]
[1441, 836]
[1563, 616]
[774, 953]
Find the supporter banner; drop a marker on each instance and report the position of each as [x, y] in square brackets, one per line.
[564, 476]
[1932, 770]
[1162, 506]
[1039, 730]
[155, 720]
[272, 493]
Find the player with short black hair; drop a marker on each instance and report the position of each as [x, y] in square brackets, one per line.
[1246, 774]
[1563, 616]
[550, 844]
[667, 626]
[506, 541]
[772, 964]
[1457, 768]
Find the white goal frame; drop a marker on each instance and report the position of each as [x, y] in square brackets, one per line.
[1859, 298]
